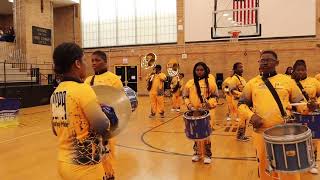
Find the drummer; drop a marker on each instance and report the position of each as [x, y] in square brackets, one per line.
[201, 93]
[77, 119]
[266, 112]
[227, 93]
[102, 76]
[310, 88]
[236, 85]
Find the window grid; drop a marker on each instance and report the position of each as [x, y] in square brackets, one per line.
[109, 23]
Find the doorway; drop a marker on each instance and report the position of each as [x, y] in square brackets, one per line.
[129, 75]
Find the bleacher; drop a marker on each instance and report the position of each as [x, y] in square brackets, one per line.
[14, 69]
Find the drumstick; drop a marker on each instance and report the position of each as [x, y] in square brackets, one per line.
[298, 104]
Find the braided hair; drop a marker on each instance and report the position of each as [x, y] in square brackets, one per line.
[196, 78]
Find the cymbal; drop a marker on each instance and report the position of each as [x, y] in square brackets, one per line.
[117, 99]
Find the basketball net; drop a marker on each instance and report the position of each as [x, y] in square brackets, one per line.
[234, 35]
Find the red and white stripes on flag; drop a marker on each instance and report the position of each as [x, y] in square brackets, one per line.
[243, 16]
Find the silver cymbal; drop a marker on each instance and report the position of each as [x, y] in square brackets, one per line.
[117, 99]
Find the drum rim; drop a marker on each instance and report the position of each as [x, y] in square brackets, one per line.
[295, 171]
[270, 138]
[299, 114]
[207, 113]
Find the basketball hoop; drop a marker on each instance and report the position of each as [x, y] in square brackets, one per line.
[234, 35]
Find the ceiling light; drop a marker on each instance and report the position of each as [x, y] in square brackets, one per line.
[225, 14]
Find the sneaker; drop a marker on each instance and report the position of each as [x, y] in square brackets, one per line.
[228, 118]
[243, 138]
[162, 115]
[207, 160]
[173, 109]
[314, 170]
[237, 119]
[178, 110]
[151, 115]
[195, 158]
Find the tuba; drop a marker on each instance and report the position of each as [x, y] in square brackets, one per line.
[148, 61]
[173, 68]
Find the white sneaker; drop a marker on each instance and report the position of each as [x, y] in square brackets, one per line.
[237, 119]
[178, 110]
[314, 170]
[207, 160]
[195, 158]
[228, 118]
[173, 109]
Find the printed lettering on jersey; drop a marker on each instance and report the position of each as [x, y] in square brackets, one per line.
[278, 85]
[59, 109]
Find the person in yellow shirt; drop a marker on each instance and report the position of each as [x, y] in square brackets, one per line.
[201, 93]
[265, 112]
[310, 88]
[318, 77]
[176, 86]
[155, 87]
[229, 97]
[104, 77]
[77, 120]
[236, 85]
[289, 71]
[101, 74]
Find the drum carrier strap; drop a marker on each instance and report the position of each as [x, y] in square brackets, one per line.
[275, 95]
[302, 90]
[92, 80]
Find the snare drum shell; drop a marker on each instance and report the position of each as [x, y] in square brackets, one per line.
[197, 128]
[278, 154]
[312, 121]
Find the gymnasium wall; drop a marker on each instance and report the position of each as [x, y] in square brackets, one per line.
[6, 21]
[67, 26]
[220, 56]
[284, 18]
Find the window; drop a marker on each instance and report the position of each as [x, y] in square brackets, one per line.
[128, 22]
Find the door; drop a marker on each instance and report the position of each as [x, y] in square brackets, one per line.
[128, 76]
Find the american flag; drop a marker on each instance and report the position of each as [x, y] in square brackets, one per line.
[242, 16]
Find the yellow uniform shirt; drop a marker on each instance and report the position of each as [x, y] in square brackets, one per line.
[174, 82]
[236, 85]
[226, 82]
[318, 77]
[77, 143]
[158, 83]
[311, 86]
[107, 79]
[257, 95]
[191, 96]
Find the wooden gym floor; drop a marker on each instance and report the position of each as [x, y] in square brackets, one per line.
[146, 149]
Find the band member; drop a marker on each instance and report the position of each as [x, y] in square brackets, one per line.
[176, 86]
[104, 77]
[229, 97]
[288, 71]
[266, 112]
[318, 77]
[155, 87]
[77, 119]
[236, 85]
[310, 88]
[201, 92]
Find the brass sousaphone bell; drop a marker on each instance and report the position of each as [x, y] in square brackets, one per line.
[173, 68]
[148, 61]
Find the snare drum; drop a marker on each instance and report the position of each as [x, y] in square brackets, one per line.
[197, 124]
[131, 94]
[312, 120]
[289, 148]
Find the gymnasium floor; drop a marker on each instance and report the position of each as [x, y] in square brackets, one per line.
[146, 149]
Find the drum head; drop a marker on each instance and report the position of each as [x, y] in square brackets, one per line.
[196, 114]
[287, 132]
